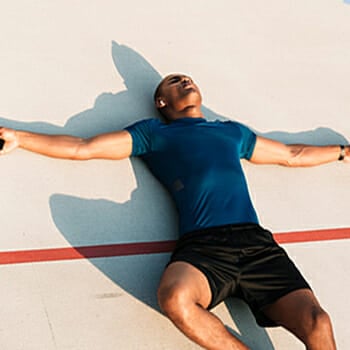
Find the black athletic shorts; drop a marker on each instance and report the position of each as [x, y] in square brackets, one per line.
[242, 261]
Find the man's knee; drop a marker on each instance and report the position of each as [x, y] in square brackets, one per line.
[319, 328]
[181, 288]
[174, 301]
[320, 322]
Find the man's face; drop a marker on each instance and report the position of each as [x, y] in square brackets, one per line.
[178, 91]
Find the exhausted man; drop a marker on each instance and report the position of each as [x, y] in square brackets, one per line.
[222, 250]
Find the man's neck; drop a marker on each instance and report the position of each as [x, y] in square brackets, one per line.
[189, 112]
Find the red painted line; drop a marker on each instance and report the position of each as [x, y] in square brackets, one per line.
[312, 236]
[88, 252]
[110, 250]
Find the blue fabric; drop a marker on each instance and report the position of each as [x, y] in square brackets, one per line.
[198, 161]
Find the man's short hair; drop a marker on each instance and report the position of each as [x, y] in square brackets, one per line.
[155, 97]
[157, 91]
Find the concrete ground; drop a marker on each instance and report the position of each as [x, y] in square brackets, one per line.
[85, 67]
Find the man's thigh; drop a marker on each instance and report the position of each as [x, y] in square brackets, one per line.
[182, 277]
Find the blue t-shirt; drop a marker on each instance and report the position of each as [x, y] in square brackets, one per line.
[198, 161]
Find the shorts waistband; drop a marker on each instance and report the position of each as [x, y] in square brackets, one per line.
[224, 229]
[247, 235]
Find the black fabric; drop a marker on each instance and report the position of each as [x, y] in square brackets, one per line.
[242, 261]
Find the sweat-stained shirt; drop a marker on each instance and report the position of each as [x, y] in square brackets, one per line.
[198, 161]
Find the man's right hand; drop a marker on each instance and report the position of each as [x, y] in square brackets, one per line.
[10, 139]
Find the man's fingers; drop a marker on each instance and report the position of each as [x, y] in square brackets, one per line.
[8, 140]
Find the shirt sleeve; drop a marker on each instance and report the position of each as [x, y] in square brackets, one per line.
[248, 142]
[141, 134]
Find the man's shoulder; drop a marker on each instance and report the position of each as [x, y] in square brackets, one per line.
[227, 124]
[237, 124]
[231, 122]
[147, 121]
[146, 125]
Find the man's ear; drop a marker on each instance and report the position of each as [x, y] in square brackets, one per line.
[160, 103]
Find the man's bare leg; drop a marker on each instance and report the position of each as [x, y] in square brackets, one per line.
[183, 295]
[300, 313]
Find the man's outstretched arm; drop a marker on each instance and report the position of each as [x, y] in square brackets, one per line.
[268, 151]
[114, 145]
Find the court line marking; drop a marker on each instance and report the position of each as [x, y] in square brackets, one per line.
[153, 247]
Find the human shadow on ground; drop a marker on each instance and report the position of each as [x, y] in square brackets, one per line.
[97, 221]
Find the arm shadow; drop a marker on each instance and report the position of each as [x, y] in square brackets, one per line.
[92, 222]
